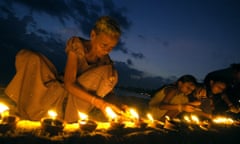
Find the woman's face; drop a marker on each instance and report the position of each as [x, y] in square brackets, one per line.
[187, 87]
[217, 87]
[102, 43]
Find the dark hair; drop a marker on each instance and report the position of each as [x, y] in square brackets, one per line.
[216, 79]
[187, 78]
[235, 67]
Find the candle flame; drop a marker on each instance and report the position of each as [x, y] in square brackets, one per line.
[186, 118]
[150, 118]
[167, 117]
[134, 113]
[194, 119]
[83, 116]
[111, 114]
[52, 114]
[191, 119]
[3, 108]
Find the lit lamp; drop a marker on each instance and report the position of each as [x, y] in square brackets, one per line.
[169, 124]
[85, 124]
[193, 120]
[7, 122]
[135, 117]
[151, 120]
[221, 121]
[115, 122]
[51, 124]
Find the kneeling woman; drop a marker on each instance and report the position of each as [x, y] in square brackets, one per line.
[89, 76]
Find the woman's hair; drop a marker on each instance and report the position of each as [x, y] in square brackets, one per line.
[108, 26]
[187, 78]
[216, 79]
[235, 67]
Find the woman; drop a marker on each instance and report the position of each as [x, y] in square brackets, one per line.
[216, 87]
[89, 76]
[172, 99]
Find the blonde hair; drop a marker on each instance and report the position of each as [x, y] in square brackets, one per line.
[108, 26]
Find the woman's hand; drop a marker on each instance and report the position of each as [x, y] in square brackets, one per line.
[102, 105]
[233, 109]
[189, 108]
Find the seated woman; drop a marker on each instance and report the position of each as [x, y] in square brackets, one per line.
[215, 89]
[231, 95]
[173, 99]
[212, 96]
[89, 76]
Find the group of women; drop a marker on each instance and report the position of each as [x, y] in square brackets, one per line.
[88, 77]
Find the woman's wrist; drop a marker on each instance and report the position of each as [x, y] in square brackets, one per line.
[93, 100]
[99, 103]
[180, 107]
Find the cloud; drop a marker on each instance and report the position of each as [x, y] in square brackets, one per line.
[58, 8]
[121, 47]
[129, 62]
[141, 36]
[14, 37]
[137, 55]
[15, 33]
[130, 77]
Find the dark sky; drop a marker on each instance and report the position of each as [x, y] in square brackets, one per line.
[162, 39]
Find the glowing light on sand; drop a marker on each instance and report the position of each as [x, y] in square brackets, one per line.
[223, 120]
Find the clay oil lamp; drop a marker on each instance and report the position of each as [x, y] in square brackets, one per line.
[151, 121]
[85, 124]
[52, 124]
[191, 121]
[114, 120]
[138, 122]
[169, 124]
[7, 122]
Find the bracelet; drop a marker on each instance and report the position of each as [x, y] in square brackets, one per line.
[180, 108]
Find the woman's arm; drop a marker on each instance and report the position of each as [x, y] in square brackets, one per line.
[70, 82]
[170, 93]
[71, 85]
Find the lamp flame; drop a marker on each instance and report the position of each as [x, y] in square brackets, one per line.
[3, 108]
[111, 114]
[83, 116]
[186, 118]
[52, 114]
[134, 113]
[150, 118]
[191, 119]
[195, 119]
